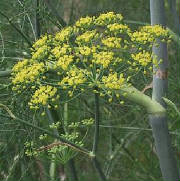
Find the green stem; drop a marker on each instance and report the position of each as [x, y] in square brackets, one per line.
[52, 169]
[66, 117]
[96, 133]
[96, 139]
[72, 169]
[132, 94]
[37, 19]
[99, 169]
[71, 166]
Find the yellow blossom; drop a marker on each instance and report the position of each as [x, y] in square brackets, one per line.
[112, 42]
[20, 65]
[42, 96]
[143, 58]
[28, 74]
[84, 22]
[108, 18]
[85, 50]
[74, 77]
[118, 28]
[64, 34]
[112, 81]
[148, 34]
[40, 53]
[87, 37]
[64, 61]
[42, 41]
[61, 50]
[103, 58]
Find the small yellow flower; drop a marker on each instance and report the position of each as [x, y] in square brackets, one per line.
[112, 81]
[143, 58]
[43, 95]
[108, 18]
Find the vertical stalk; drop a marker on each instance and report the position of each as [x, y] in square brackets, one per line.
[163, 147]
[98, 169]
[96, 133]
[41, 170]
[52, 168]
[72, 169]
[159, 122]
[37, 19]
[66, 117]
[96, 139]
[71, 166]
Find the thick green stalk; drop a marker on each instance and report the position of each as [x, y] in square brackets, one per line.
[164, 149]
[134, 95]
[158, 121]
[159, 125]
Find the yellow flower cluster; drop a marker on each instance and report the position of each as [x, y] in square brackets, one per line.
[112, 42]
[143, 58]
[41, 53]
[87, 37]
[64, 61]
[42, 96]
[20, 65]
[28, 73]
[85, 50]
[64, 34]
[85, 22]
[61, 50]
[108, 18]
[117, 28]
[85, 55]
[74, 77]
[103, 58]
[142, 37]
[157, 30]
[41, 42]
[148, 34]
[112, 81]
